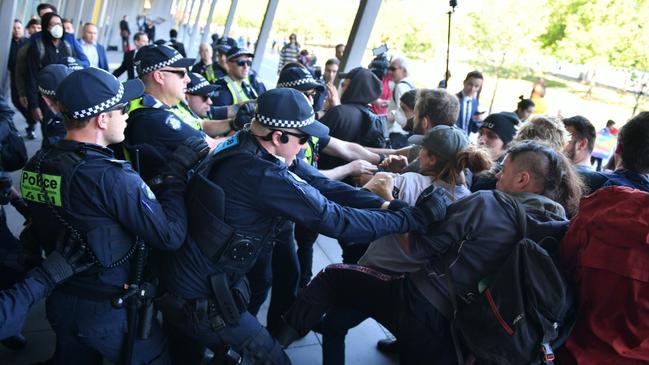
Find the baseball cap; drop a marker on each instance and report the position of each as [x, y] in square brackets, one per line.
[445, 141]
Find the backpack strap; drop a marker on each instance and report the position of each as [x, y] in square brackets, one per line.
[505, 200]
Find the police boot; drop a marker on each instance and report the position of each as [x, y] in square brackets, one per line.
[17, 342]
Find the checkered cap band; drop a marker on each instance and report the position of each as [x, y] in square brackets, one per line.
[166, 63]
[279, 123]
[46, 92]
[105, 105]
[198, 87]
[306, 80]
[241, 51]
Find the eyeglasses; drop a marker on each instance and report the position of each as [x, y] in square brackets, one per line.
[311, 93]
[243, 63]
[123, 108]
[181, 73]
[393, 68]
[303, 138]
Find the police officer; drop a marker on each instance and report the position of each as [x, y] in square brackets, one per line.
[78, 189]
[291, 269]
[240, 85]
[198, 100]
[157, 125]
[237, 200]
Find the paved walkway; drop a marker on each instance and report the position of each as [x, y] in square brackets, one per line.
[360, 341]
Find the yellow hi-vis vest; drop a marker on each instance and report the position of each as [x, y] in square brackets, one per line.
[238, 95]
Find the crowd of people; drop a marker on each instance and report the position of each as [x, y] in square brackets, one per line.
[160, 211]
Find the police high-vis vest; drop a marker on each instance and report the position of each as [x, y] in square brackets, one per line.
[236, 90]
[181, 111]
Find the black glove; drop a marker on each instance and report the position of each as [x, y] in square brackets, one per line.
[244, 115]
[186, 156]
[69, 258]
[432, 202]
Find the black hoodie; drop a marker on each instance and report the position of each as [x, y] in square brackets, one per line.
[345, 120]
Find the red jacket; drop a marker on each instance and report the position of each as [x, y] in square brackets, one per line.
[606, 253]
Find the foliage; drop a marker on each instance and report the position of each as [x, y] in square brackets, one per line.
[598, 32]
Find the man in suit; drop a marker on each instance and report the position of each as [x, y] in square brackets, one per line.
[178, 46]
[140, 39]
[95, 51]
[468, 120]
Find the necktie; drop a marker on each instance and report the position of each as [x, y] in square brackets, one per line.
[467, 114]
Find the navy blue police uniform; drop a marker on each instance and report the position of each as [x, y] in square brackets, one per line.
[238, 199]
[282, 269]
[81, 190]
[154, 128]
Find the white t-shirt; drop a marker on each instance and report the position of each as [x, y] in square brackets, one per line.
[388, 249]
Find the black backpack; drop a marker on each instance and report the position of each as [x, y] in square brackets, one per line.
[13, 153]
[374, 130]
[517, 316]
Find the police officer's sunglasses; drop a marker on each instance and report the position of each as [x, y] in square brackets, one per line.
[244, 63]
[302, 138]
[123, 108]
[181, 73]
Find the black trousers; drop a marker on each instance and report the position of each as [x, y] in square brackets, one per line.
[423, 332]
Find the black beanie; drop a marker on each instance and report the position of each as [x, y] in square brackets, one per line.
[503, 124]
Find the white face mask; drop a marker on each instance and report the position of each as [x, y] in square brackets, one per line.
[56, 31]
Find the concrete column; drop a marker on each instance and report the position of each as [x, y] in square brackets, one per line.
[186, 25]
[192, 39]
[207, 29]
[230, 19]
[266, 25]
[7, 14]
[360, 34]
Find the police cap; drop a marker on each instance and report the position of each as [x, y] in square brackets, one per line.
[199, 85]
[88, 92]
[288, 108]
[235, 52]
[298, 78]
[152, 57]
[50, 77]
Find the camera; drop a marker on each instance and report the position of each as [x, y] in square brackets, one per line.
[379, 65]
[381, 50]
